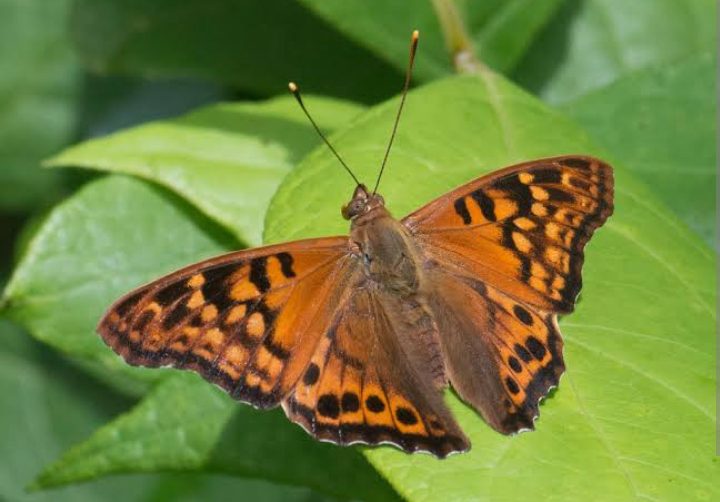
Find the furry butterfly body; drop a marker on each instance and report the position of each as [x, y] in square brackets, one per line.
[356, 337]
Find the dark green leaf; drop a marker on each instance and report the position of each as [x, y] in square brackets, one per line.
[661, 122]
[634, 414]
[38, 91]
[225, 159]
[254, 45]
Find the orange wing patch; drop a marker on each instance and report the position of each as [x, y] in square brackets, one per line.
[237, 320]
[522, 229]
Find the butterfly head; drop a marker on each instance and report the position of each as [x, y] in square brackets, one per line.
[363, 201]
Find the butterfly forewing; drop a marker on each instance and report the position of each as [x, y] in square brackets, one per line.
[522, 228]
[241, 320]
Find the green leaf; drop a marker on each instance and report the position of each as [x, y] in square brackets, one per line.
[254, 45]
[635, 412]
[113, 235]
[659, 122]
[187, 425]
[38, 91]
[501, 29]
[225, 159]
[592, 43]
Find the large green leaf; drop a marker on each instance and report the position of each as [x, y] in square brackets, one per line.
[115, 234]
[38, 87]
[502, 30]
[592, 43]
[254, 45]
[225, 159]
[185, 424]
[661, 122]
[634, 414]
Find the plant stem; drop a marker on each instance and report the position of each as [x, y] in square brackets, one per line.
[457, 40]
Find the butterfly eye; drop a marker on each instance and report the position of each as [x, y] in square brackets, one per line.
[367, 259]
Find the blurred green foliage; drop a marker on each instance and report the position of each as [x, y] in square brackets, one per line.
[167, 137]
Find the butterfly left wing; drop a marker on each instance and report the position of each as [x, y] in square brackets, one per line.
[504, 255]
[243, 321]
[361, 385]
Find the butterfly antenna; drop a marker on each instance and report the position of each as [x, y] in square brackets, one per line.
[408, 74]
[295, 90]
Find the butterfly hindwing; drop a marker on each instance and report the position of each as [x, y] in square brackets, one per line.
[240, 320]
[501, 355]
[361, 386]
[523, 228]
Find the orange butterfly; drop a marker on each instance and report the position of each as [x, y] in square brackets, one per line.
[357, 337]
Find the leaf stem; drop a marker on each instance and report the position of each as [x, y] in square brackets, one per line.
[457, 40]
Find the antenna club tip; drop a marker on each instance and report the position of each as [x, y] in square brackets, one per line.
[415, 35]
[293, 87]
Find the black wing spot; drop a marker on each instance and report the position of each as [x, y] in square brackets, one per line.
[142, 321]
[286, 264]
[512, 385]
[523, 353]
[328, 406]
[514, 364]
[375, 404]
[350, 402]
[486, 204]
[171, 292]
[535, 347]
[462, 210]
[406, 416]
[522, 314]
[311, 375]
[258, 274]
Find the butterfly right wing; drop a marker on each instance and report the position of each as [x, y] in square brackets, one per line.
[362, 387]
[248, 321]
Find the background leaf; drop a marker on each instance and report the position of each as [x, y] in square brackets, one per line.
[253, 45]
[226, 159]
[501, 29]
[592, 43]
[661, 122]
[633, 413]
[39, 83]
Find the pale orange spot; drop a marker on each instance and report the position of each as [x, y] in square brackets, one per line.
[209, 313]
[236, 313]
[552, 230]
[256, 325]
[539, 271]
[196, 300]
[263, 358]
[539, 193]
[236, 356]
[553, 255]
[539, 210]
[537, 284]
[214, 337]
[524, 223]
[196, 281]
[244, 290]
[504, 208]
[521, 242]
[558, 282]
[526, 178]
[252, 380]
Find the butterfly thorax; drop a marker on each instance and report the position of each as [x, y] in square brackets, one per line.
[389, 257]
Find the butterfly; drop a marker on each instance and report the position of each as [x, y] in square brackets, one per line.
[357, 336]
